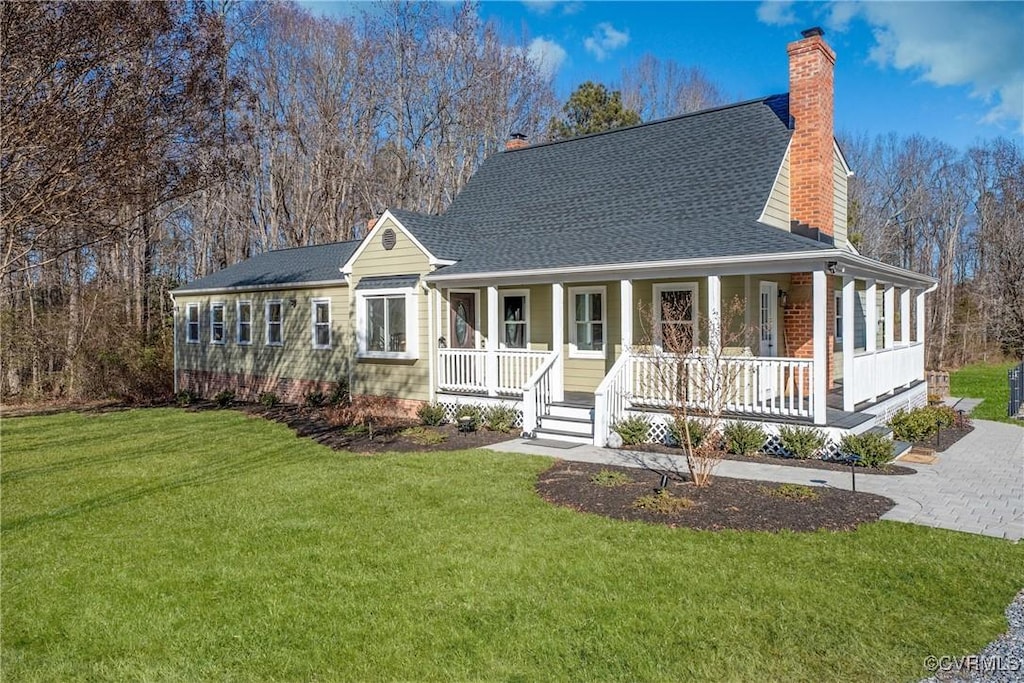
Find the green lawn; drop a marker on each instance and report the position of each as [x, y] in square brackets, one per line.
[987, 381]
[161, 544]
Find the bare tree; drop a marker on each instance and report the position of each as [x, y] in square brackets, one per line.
[657, 88]
[692, 369]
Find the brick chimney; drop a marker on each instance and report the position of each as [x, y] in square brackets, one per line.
[811, 63]
[516, 141]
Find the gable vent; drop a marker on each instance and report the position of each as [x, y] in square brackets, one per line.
[388, 239]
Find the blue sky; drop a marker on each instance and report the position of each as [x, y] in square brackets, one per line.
[954, 71]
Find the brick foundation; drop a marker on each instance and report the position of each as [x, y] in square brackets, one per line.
[207, 384]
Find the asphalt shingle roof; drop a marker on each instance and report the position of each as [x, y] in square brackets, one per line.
[688, 187]
[320, 263]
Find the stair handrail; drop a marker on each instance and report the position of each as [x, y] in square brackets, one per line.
[610, 398]
[537, 394]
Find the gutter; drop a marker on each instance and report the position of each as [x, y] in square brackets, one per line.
[822, 255]
[269, 287]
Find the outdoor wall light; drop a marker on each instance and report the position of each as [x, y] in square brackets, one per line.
[292, 302]
[442, 343]
[832, 267]
[783, 297]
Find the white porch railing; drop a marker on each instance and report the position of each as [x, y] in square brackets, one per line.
[537, 392]
[877, 373]
[466, 370]
[612, 398]
[749, 386]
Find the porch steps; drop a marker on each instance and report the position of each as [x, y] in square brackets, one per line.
[569, 422]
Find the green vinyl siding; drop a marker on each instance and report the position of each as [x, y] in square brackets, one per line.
[776, 210]
[407, 379]
[295, 358]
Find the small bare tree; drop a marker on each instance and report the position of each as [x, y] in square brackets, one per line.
[695, 370]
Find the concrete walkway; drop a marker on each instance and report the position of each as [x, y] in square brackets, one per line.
[976, 485]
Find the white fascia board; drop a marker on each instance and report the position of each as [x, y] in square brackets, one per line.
[842, 158]
[277, 286]
[346, 268]
[785, 262]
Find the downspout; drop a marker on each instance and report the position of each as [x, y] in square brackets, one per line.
[174, 338]
[351, 363]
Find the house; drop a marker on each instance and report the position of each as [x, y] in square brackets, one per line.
[531, 288]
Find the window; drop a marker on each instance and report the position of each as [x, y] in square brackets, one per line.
[839, 316]
[386, 320]
[275, 323]
[192, 323]
[515, 316]
[676, 312]
[244, 335]
[321, 323]
[586, 336]
[217, 323]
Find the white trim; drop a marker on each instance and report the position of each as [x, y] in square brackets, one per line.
[558, 340]
[267, 322]
[223, 322]
[238, 322]
[411, 323]
[477, 332]
[626, 314]
[773, 308]
[270, 287]
[846, 310]
[574, 351]
[838, 319]
[313, 303]
[842, 158]
[346, 267]
[782, 165]
[656, 292]
[502, 294]
[199, 324]
[819, 296]
[786, 262]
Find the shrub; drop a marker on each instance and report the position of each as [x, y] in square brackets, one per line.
[663, 503]
[268, 399]
[802, 442]
[424, 436]
[224, 398]
[610, 478]
[356, 430]
[474, 412]
[921, 423]
[633, 430]
[500, 418]
[874, 450]
[431, 414]
[340, 395]
[744, 438]
[790, 491]
[698, 431]
[314, 399]
[186, 397]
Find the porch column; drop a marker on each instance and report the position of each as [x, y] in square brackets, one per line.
[920, 329]
[714, 316]
[626, 313]
[889, 301]
[558, 340]
[904, 317]
[431, 290]
[491, 366]
[849, 293]
[820, 296]
[870, 329]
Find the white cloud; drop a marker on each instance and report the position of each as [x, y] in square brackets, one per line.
[547, 55]
[540, 6]
[978, 45]
[604, 39]
[776, 13]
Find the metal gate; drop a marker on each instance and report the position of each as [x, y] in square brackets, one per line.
[1015, 377]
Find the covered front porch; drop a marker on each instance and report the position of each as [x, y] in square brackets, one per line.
[817, 346]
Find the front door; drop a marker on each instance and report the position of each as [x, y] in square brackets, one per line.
[463, 320]
[768, 382]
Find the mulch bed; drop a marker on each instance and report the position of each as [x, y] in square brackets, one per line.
[738, 504]
[313, 423]
[945, 438]
[768, 459]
